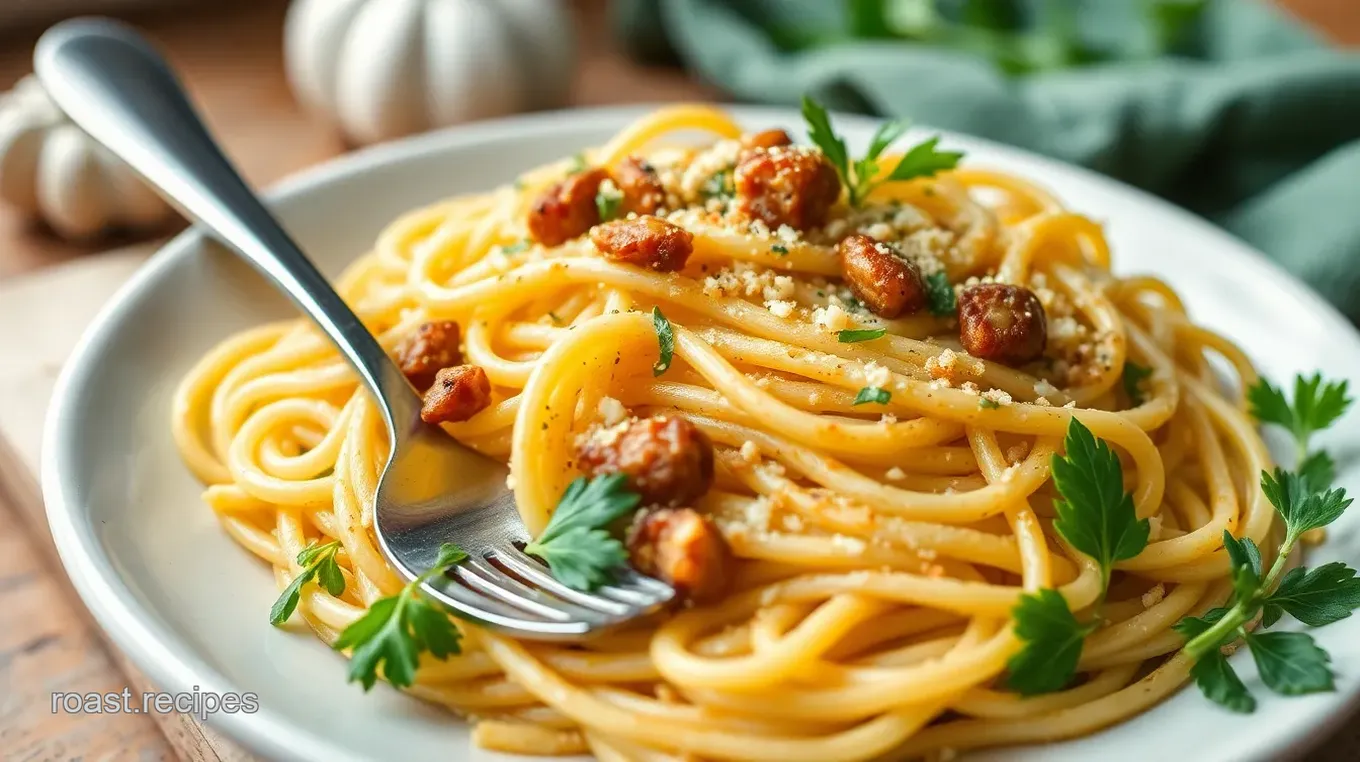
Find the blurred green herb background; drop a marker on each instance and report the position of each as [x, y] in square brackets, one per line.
[1020, 38]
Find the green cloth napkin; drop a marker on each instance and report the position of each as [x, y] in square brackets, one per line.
[1253, 122]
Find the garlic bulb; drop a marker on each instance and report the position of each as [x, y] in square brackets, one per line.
[382, 69]
[53, 171]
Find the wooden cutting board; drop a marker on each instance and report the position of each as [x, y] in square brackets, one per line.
[48, 642]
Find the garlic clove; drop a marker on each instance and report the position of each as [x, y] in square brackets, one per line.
[314, 35]
[72, 194]
[379, 94]
[544, 31]
[471, 67]
[21, 141]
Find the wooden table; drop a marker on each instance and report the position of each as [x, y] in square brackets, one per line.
[231, 58]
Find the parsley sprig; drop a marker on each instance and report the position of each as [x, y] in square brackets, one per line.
[1097, 518]
[580, 551]
[317, 562]
[1316, 406]
[921, 160]
[398, 628]
[1289, 663]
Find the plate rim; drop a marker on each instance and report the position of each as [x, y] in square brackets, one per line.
[174, 667]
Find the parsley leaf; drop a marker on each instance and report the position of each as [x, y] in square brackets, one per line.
[1245, 561]
[1318, 471]
[1134, 376]
[1052, 644]
[1301, 508]
[1290, 663]
[583, 559]
[1316, 406]
[665, 339]
[887, 134]
[579, 550]
[578, 163]
[516, 247]
[921, 160]
[1220, 684]
[397, 629]
[317, 562]
[1315, 597]
[780, 249]
[608, 201]
[872, 394]
[1095, 515]
[856, 335]
[940, 297]
[824, 137]
[987, 403]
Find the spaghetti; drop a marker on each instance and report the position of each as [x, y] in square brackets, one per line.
[880, 553]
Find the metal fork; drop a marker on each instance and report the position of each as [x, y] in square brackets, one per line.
[433, 490]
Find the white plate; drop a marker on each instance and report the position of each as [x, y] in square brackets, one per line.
[190, 607]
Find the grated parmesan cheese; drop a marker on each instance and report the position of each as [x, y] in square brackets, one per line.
[998, 396]
[780, 308]
[877, 375]
[611, 411]
[830, 318]
[895, 474]
[719, 157]
[750, 452]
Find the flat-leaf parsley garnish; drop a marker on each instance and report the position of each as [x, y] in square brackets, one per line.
[856, 335]
[1053, 640]
[317, 562]
[1096, 517]
[940, 297]
[577, 545]
[922, 160]
[872, 394]
[608, 201]
[1133, 378]
[1316, 406]
[665, 339]
[1290, 663]
[398, 628]
[1095, 514]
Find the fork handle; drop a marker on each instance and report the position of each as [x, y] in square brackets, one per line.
[117, 88]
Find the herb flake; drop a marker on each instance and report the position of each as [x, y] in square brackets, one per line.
[665, 339]
[872, 394]
[856, 335]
